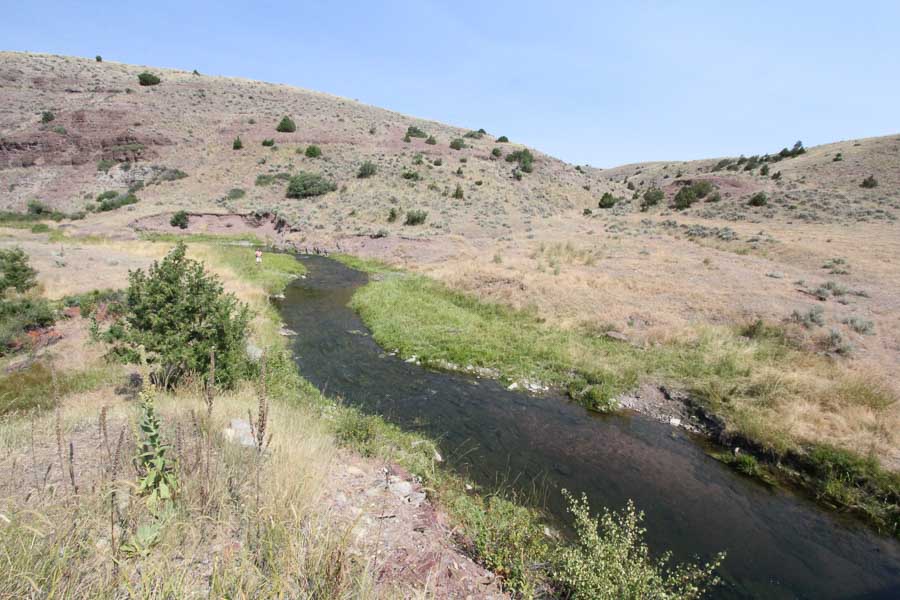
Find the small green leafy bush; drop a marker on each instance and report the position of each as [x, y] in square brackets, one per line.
[305, 185]
[524, 157]
[457, 144]
[175, 315]
[180, 219]
[313, 151]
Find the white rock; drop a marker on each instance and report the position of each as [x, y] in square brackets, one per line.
[513, 386]
[674, 422]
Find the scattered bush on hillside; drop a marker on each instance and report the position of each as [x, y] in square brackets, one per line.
[415, 217]
[180, 219]
[758, 199]
[120, 200]
[524, 157]
[776, 175]
[431, 141]
[457, 144]
[313, 151]
[413, 131]
[652, 197]
[47, 116]
[838, 157]
[475, 135]
[458, 192]
[607, 200]
[105, 164]
[268, 142]
[19, 314]
[684, 198]
[286, 125]
[406, 138]
[437, 162]
[147, 78]
[367, 169]
[869, 182]
[305, 185]
[236, 194]
[237, 144]
[502, 139]
[410, 175]
[496, 152]
[764, 171]
[392, 215]
[175, 315]
[98, 58]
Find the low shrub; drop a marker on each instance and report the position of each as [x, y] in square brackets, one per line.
[684, 198]
[237, 144]
[457, 144]
[268, 142]
[147, 78]
[431, 141]
[367, 169]
[610, 559]
[410, 175]
[180, 219]
[758, 199]
[496, 152]
[458, 192]
[47, 116]
[236, 194]
[415, 217]
[118, 201]
[305, 185]
[524, 157]
[413, 131]
[392, 215]
[286, 125]
[869, 182]
[98, 58]
[652, 197]
[313, 151]
[607, 200]
[502, 139]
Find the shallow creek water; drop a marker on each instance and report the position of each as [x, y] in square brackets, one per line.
[779, 545]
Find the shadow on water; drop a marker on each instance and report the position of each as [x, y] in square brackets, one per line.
[779, 545]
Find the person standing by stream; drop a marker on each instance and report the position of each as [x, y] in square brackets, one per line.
[258, 257]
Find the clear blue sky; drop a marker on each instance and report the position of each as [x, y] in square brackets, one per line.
[588, 82]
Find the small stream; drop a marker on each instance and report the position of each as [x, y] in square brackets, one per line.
[779, 545]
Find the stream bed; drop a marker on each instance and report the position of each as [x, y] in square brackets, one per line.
[779, 545]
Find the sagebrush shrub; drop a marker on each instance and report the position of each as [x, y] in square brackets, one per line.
[237, 144]
[47, 116]
[869, 182]
[502, 139]
[458, 192]
[313, 151]
[457, 144]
